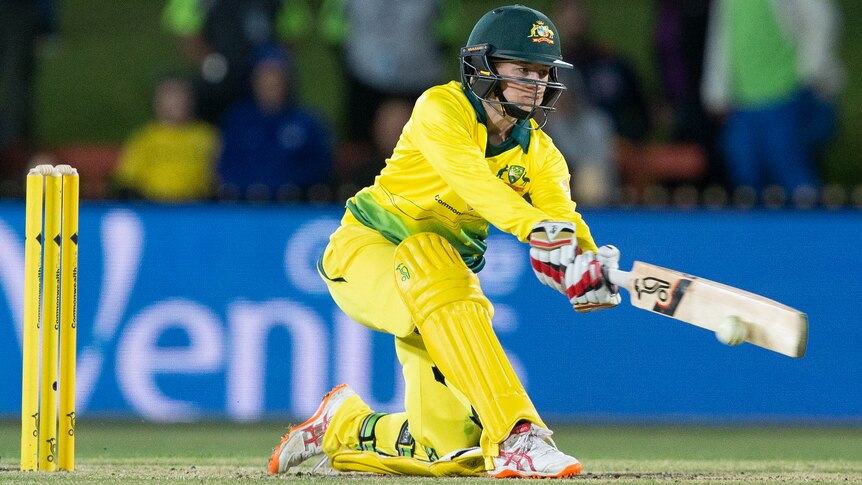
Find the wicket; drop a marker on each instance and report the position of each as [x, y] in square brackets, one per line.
[50, 306]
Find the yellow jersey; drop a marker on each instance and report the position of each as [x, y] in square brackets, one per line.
[444, 177]
[170, 163]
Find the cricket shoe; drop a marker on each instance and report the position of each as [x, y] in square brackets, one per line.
[529, 452]
[306, 440]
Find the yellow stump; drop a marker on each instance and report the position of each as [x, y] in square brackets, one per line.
[30, 348]
[50, 324]
[50, 319]
[69, 322]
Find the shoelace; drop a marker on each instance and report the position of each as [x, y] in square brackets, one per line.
[538, 446]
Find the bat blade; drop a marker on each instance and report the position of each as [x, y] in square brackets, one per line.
[706, 304]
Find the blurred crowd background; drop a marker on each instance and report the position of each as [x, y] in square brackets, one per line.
[711, 103]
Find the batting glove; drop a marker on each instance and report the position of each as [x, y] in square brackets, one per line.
[552, 248]
[585, 282]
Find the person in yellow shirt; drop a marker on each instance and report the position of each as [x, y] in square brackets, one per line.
[404, 258]
[172, 158]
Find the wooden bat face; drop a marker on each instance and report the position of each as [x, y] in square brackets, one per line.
[707, 304]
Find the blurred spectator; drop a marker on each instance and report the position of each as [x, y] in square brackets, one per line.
[769, 65]
[273, 148]
[386, 129]
[611, 81]
[173, 157]
[680, 38]
[219, 37]
[585, 136]
[389, 49]
[22, 24]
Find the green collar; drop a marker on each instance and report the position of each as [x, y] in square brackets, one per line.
[520, 134]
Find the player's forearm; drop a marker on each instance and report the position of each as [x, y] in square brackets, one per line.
[464, 169]
[500, 206]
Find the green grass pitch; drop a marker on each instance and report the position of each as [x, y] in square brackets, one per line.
[220, 453]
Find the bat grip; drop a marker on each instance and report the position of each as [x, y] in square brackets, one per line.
[617, 277]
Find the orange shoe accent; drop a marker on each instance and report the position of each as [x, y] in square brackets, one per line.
[273, 459]
[569, 471]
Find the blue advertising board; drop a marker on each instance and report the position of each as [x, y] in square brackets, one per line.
[216, 311]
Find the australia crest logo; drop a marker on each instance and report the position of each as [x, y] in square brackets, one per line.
[541, 33]
[513, 174]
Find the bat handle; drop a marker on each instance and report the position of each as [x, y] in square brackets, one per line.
[618, 277]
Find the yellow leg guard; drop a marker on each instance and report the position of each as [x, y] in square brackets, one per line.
[365, 461]
[454, 318]
[466, 465]
[356, 427]
[342, 431]
[370, 462]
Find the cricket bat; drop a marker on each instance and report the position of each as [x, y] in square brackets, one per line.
[707, 304]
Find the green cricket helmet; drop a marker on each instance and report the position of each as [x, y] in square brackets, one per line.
[513, 33]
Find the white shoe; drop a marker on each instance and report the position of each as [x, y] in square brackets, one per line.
[306, 440]
[529, 452]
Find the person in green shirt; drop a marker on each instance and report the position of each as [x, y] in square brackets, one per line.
[770, 64]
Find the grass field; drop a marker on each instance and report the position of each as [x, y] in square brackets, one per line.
[134, 452]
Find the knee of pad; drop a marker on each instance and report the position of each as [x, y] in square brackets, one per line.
[430, 274]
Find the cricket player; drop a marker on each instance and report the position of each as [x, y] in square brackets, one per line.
[404, 258]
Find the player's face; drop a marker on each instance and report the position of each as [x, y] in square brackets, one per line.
[523, 92]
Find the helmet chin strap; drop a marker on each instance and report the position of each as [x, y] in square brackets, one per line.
[507, 110]
[510, 108]
[503, 114]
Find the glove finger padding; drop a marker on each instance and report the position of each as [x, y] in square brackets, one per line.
[552, 248]
[609, 257]
[586, 286]
[582, 276]
[547, 270]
